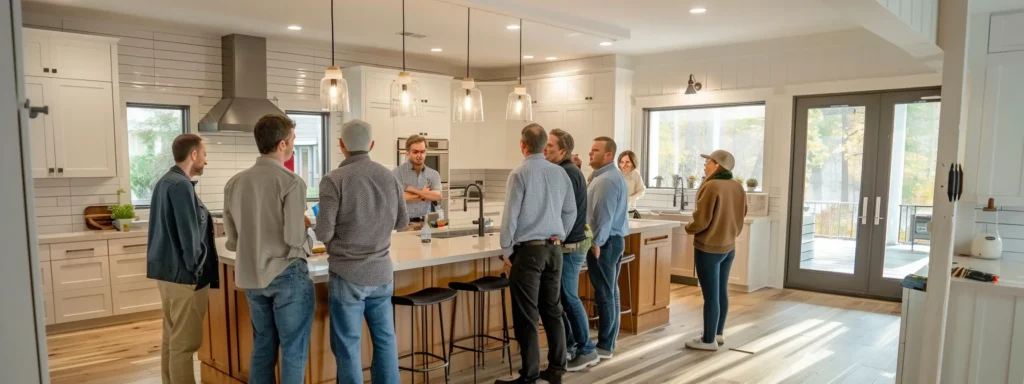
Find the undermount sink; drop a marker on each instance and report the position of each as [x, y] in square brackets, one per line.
[462, 233]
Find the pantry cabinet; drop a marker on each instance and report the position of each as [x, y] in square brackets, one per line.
[72, 76]
[1001, 161]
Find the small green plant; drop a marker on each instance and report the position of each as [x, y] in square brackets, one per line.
[122, 211]
[691, 178]
[752, 183]
[739, 180]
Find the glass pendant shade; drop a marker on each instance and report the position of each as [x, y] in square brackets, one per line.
[405, 96]
[520, 105]
[467, 103]
[334, 91]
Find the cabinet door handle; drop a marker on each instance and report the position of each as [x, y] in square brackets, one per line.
[55, 70]
[658, 239]
[60, 170]
[51, 170]
[46, 70]
[34, 112]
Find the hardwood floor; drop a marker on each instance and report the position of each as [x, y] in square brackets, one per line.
[772, 336]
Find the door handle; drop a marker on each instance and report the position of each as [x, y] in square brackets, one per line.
[33, 112]
[878, 210]
[864, 211]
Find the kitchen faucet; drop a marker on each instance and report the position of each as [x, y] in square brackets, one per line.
[465, 200]
[677, 185]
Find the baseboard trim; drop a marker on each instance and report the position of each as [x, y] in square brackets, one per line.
[676, 279]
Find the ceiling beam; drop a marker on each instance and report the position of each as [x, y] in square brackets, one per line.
[544, 16]
[878, 19]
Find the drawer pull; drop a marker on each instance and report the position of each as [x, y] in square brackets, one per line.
[93, 249]
[139, 247]
[656, 239]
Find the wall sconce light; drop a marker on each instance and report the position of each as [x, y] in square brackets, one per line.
[692, 86]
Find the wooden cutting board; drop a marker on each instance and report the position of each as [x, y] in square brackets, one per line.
[98, 218]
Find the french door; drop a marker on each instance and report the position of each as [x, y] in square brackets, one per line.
[863, 175]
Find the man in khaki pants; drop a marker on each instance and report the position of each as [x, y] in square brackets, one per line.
[175, 258]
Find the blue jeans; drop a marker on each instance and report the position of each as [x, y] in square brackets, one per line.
[713, 275]
[574, 316]
[282, 315]
[349, 304]
[604, 275]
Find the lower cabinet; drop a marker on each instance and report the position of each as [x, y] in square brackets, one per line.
[74, 274]
[135, 297]
[750, 265]
[82, 304]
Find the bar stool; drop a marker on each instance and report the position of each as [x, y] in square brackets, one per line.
[479, 288]
[424, 299]
[625, 261]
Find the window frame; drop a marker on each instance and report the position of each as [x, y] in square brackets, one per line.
[186, 114]
[645, 146]
[325, 129]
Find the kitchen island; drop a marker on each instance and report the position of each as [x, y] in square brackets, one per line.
[227, 330]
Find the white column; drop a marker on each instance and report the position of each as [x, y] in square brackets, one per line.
[23, 335]
[899, 148]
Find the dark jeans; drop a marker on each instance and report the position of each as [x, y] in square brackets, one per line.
[604, 276]
[536, 288]
[713, 275]
[282, 315]
[577, 327]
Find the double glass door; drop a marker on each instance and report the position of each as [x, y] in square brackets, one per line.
[863, 181]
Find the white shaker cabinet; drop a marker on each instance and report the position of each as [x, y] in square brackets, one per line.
[1001, 160]
[67, 56]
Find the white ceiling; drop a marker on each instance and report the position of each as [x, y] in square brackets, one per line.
[653, 25]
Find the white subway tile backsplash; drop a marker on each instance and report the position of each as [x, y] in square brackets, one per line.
[49, 229]
[50, 183]
[94, 181]
[63, 201]
[52, 191]
[52, 211]
[93, 200]
[95, 190]
[215, 157]
[1009, 222]
[45, 202]
[54, 220]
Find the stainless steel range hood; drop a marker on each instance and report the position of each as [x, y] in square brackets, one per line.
[244, 89]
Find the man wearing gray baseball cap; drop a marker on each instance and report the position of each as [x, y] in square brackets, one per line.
[717, 221]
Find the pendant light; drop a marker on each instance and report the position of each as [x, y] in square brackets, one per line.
[467, 102]
[520, 104]
[333, 87]
[405, 92]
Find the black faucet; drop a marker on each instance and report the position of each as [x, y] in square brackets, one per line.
[480, 221]
[677, 186]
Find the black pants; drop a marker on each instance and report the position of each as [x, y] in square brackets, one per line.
[536, 288]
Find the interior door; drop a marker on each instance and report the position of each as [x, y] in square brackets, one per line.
[832, 187]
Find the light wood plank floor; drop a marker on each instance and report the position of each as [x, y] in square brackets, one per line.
[772, 336]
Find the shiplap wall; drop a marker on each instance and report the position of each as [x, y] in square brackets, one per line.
[922, 15]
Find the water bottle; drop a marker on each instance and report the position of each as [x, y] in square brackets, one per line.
[425, 232]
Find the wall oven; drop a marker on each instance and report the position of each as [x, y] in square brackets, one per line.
[437, 156]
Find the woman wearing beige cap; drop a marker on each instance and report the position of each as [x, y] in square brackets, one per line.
[717, 221]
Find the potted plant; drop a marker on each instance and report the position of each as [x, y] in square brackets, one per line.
[752, 185]
[123, 214]
[658, 180]
[691, 181]
[739, 180]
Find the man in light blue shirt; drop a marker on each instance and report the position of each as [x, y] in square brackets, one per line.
[540, 209]
[606, 213]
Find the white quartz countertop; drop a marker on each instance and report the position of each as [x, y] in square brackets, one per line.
[407, 252]
[1011, 273]
[70, 237]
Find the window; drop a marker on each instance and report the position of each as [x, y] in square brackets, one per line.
[677, 137]
[151, 130]
[310, 159]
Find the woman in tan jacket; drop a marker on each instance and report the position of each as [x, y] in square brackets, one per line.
[717, 222]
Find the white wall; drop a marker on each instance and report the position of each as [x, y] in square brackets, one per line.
[921, 15]
[774, 72]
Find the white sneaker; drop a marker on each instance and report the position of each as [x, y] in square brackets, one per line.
[718, 339]
[698, 343]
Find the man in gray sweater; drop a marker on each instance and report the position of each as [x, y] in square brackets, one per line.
[266, 226]
[361, 202]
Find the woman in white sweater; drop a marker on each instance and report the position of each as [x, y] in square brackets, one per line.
[634, 182]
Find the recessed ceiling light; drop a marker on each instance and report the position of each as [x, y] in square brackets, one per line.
[528, 57]
[435, 49]
[605, 43]
[295, 27]
[512, 27]
[698, 10]
[549, 58]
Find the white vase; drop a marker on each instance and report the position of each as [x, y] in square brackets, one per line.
[124, 225]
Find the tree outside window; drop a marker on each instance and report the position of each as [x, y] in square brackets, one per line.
[151, 131]
[677, 138]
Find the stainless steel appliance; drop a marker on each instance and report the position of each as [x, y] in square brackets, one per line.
[437, 156]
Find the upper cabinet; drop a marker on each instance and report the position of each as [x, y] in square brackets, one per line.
[72, 76]
[1001, 160]
[67, 56]
[1006, 32]
[588, 88]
